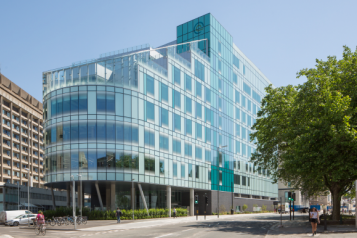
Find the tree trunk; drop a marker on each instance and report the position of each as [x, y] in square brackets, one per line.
[336, 196]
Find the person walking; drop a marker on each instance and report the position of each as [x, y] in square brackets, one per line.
[314, 219]
[118, 214]
[174, 212]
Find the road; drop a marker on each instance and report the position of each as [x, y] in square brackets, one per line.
[252, 225]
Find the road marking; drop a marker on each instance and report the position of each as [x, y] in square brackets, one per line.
[164, 235]
[189, 229]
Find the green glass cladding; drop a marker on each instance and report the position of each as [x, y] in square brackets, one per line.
[171, 116]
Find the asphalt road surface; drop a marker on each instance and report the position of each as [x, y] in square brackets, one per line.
[256, 225]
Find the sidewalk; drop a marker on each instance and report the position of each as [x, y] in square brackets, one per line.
[300, 226]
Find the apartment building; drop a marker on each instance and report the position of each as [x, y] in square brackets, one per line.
[21, 136]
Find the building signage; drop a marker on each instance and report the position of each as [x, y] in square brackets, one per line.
[199, 27]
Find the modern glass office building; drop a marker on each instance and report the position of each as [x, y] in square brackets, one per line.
[172, 121]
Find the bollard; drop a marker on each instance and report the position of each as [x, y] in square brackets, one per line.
[325, 222]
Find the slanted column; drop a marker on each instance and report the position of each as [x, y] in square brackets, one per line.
[192, 201]
[168, 199]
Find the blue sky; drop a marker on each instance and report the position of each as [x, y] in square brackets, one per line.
[279, 37]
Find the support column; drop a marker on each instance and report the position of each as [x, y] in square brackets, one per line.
[68, 197]
[53, 199]
[112, 197]
[192, 201]
[168, 199]
[71, 192]
[99, 197]
[79, 196]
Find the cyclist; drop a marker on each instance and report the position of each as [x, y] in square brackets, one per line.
[40, 219]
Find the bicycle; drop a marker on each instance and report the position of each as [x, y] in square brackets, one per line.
[54, 221]
[40, 230]
[82, 220]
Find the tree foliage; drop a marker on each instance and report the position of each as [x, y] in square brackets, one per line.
[307, 133]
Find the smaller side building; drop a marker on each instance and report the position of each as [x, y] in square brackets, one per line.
[15, 197]
[300, 198]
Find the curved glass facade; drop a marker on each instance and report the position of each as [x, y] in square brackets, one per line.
[178, 115]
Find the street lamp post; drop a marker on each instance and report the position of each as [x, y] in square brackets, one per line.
[132, 194]
[28, 194]
[219, 147]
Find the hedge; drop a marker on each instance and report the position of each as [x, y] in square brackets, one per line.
[110, 215]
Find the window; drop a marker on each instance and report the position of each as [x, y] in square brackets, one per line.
[176, 99]
[208, 95]
[249, 120]
[220, 85]
[243, 69]
[256, 96]
[177, 122]
[235, 61]
[150, 111]
[244, 119]
[149, 137]
[190, 170]
[244, 134]
[207, 155]
[150, 88]
[164, 119]
[183, 171]
[207, 115]
[237, 96]
[219, 47]
[237, 113]
[188, 106]
[237, 147]
[244, 149]
[162, 167]
[198, 89]
[237, 130]
[208, 135]
[198, 130]
[244, 180]
[188, 127]
[236, 179]
[198, 153]
[177, 75]
[199, 70]
[235, 78]
[236, 165]
[149, 162]
[254, 109]
[174, 169]
[246, 89]
[164, 142]
[197, 170]
[219, 66]
[176, 145]
[188, 83]
[164, 93]
[198, 110]
[243, 101]
[188, 149]
[249, 105]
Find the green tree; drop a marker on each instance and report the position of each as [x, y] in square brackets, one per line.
[307, 133]
[245, 207]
